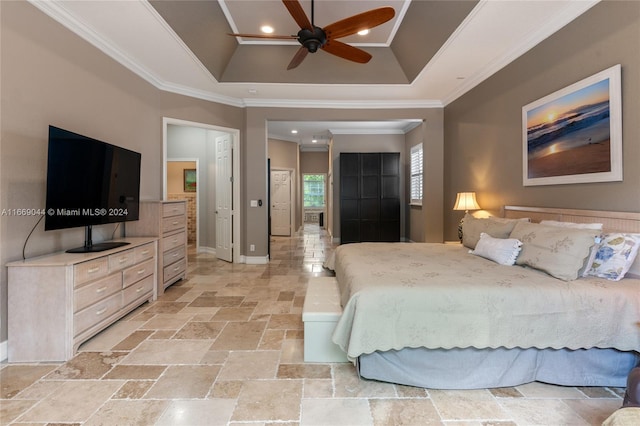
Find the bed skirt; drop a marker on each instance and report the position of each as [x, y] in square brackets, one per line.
[492, 368]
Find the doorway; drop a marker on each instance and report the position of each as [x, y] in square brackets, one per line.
[218, 218]
[282, 202]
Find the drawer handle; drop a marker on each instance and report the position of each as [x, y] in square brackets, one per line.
[175, 240]
[141, 271]
[177, 268]
[176, 254]
[145, 252]
[139, 289]
[175, 222]
[93, 270]
[101, 311]
[123, 259]
[101, 289]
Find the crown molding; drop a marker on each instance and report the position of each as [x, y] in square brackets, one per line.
[333, 104]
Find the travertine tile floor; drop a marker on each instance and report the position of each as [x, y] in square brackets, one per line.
[225, 347]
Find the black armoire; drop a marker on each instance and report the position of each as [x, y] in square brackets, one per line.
[369, 197]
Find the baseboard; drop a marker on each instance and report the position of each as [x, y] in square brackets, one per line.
[256, 260]
[207, 250]
[4, 351]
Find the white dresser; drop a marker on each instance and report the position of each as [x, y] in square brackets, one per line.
[166, 220]
[58, 301]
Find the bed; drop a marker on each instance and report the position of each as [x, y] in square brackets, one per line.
[436, 316]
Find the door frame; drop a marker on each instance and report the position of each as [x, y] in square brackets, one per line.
[197, 161]
[292, 197]
[237, 205]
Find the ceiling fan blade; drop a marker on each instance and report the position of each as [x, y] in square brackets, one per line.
[346, 51]
[362, 21]
[298, 58]
[276, 37]
[297, 12]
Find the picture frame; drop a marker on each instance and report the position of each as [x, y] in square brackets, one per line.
[574, 135]
[190, 180]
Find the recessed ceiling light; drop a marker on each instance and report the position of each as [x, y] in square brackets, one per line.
[267, 29]
[314, 140]
[363, 32]
[294, 131]
[253, 91]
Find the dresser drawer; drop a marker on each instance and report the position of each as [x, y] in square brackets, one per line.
[173, 241]
[144, 252]
[121, 260]
[94, 314]
[173, 223]
[138, 272]
[174, 270]
[173, 209]
[173, 255]
[95, 291]
[136, 291]
[89, 271]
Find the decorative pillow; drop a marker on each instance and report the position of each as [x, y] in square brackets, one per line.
[495, 227]
[501, 250]
[615, 255]
[592, 253]
[560, 252]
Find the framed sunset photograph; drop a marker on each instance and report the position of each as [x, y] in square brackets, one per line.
[574, 135]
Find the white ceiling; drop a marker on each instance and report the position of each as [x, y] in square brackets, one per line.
[495, 33]
[243, 18]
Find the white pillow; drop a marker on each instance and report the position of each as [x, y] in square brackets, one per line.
[501, 250]
[615, 256]
[596, 226]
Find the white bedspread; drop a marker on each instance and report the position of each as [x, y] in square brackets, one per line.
[398, 295]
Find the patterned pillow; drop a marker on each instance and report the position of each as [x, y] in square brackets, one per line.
[615, 256]
[592, 254]
[495, 227]
[501, 250]
[560, 252]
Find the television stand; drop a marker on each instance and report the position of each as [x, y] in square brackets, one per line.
[59, 301]
[89, 247]
[98, 247]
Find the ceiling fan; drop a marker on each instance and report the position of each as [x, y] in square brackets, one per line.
[313, 38]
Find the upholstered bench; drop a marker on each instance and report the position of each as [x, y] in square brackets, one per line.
[320, 314]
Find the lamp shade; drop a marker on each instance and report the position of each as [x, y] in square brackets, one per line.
[466, 201]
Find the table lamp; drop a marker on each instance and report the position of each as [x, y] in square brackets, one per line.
[465, 201]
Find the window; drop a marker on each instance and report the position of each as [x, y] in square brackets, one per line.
[313, 190]
[416, 174]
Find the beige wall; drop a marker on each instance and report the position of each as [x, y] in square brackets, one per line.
[483, 150]
[314, 162]
[51, 76]
[175, 175]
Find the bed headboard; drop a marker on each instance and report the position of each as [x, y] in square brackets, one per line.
[627, 222]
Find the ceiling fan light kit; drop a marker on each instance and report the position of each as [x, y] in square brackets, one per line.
[313, 38]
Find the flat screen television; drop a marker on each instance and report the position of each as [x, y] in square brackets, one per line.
[90, 182]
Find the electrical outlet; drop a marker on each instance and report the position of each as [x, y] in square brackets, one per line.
[252, 247]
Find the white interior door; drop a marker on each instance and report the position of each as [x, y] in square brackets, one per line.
[281, 203]
[224, 198]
